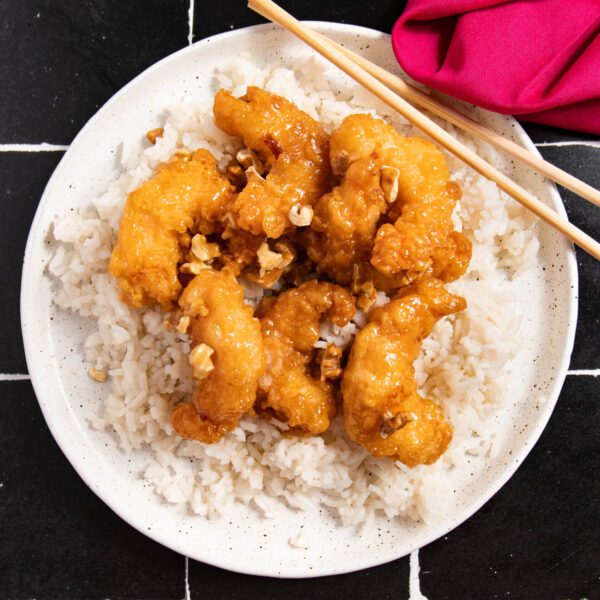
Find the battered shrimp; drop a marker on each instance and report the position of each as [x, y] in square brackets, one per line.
[227, 358]
[382, 409]
[290, 327]
[345, 221]
[421, 239]
[293, 147]
[187, 193]
[360, 136]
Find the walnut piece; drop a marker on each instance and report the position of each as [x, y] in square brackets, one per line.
[201, 361]
[266, 280]
[388, 180]
[248, 158]
[183, 324]
[194, 267]
[301, 216]
[202, 252]
[392, 423]
[330, 363]
[367, 296]
[270, 260]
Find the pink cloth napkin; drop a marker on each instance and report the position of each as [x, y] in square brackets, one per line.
[537, 59]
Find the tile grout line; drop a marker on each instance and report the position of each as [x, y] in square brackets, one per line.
[191, 23]
[43, 147]
[414, 585]
[187, 579]
[591, 144]
[14, 377]
[588, 372]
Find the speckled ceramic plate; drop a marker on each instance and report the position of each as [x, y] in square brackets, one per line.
[243, 541]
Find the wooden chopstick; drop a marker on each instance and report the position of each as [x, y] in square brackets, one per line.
[416, 96]
[271, 11]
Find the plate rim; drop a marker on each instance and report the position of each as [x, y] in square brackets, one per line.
[132, 519]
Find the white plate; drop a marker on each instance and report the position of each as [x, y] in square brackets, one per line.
[245, 542]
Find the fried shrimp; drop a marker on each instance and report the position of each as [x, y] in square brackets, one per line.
[290, 327]
[227, 358]
[294, 149]
[186, 193]
[360, 136]
[382, 408]
[419, 239]
[315, 226]
[345, 221]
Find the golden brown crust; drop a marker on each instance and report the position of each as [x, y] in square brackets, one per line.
[382, 409]
[418, 238]
[187, 193]
[292, 145]
[345, 221]
[219, 319]
[387, 223]
[290, 327]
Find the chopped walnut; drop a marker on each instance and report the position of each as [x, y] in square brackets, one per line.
[194, 267]
[267, 280]
[154, 133]
[367, 296]
[183, 324]
[230, 227]
[330, 362]
[301, 216]
[201, 361]
[392, 423]
[360, 277]
[270, 260]
[97, 375]
[388, 179]
[273, 264]
[248, 158]
[204, 250]
[357, 281]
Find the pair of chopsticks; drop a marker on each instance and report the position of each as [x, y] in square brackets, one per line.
[396, 94]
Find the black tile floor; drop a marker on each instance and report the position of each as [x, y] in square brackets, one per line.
[538, 538]
[63, 60]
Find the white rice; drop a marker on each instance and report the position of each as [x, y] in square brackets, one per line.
[462, 365]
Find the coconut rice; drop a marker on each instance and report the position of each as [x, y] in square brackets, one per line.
[463, 364]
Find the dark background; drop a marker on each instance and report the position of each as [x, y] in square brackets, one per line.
[536, 539]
